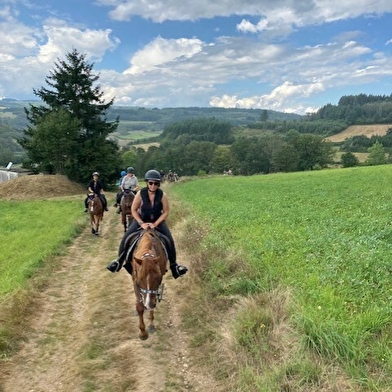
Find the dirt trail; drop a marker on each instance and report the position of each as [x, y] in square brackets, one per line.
[84, 336]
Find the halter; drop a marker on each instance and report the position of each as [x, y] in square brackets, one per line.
[158, 292]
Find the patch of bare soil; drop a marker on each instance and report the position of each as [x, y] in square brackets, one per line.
[84, 335]
[358, 130]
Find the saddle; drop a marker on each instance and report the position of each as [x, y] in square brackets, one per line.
[132, 242]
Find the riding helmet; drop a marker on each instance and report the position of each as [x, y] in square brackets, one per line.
[130, 169]
[123, 173]
[96, 174]
[152, 175]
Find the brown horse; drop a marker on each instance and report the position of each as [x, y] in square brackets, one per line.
[149, 265]
[95, 208]
[125, 205]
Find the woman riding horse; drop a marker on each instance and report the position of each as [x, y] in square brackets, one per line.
[95, 186]
[129, 182]
[150, 208]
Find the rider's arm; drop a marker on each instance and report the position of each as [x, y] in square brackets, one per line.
[137, 201]
[122, 184]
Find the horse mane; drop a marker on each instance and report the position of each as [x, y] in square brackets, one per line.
[144, 245]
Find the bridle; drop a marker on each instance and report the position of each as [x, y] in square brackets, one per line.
[143, 292]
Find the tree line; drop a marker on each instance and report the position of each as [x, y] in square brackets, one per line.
[358, 109]
[70, 134]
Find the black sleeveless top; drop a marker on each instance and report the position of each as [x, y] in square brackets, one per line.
[151, 212]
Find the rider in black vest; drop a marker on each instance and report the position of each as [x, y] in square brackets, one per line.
[150, 209]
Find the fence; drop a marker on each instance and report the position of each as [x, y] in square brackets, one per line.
[7, 175]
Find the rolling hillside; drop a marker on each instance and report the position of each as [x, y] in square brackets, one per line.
[356, 130]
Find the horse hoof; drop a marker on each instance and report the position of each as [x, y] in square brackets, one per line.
[151, 329]
[96, 233]
[143, 337]
[93, 231]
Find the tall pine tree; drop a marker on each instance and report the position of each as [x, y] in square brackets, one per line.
[72, 87]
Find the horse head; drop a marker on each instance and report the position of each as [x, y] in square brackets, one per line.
[150, 262]
[128, 197]
[149, 279]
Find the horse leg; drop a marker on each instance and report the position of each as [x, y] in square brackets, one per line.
[143, 334]
[151, 326]
[92, 225]
[124, 220]
[96, 224]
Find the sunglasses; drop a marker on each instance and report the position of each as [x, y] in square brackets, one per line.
[154, 183]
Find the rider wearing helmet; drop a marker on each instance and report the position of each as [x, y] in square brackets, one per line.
[95, 186]
[129, 181]
[150, 208]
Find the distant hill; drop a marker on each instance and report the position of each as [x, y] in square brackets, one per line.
[12, 113]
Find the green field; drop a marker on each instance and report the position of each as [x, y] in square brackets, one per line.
[323, 236]
[30, 232]
[294, 273]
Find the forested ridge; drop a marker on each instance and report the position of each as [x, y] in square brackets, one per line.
[192, 141]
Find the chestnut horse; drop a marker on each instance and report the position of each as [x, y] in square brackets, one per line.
[95, 208]
[148, 267]
[125, 205]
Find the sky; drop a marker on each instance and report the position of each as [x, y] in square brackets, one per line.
[291, 56]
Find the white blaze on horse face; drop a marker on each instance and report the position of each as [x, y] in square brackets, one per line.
[149, 304]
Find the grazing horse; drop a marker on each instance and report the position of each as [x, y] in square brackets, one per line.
[148, 267]
[95, 208]
[125, 205]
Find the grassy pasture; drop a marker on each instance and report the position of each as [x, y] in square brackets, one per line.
[131, 131]
[31, 231]
[323, 236]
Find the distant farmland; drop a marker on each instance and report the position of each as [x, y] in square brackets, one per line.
[357, 130]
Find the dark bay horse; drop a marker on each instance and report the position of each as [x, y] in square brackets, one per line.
[125, 205]
[95, 208]
[148, 267]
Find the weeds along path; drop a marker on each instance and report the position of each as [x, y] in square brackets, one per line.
[84, 336]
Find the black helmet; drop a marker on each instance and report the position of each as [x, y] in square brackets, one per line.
[152, 175]
[130, 169]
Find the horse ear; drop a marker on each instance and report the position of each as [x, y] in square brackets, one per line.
[139, 261]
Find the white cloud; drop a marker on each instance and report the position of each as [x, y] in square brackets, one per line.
[27, 54]
[161, 51]
[62, 38]
[280, 16]
[278, 99]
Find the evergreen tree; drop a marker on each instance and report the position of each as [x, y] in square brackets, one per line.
[73, 87]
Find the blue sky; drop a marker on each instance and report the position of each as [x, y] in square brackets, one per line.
[286, 55]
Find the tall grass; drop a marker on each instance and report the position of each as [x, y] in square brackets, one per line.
[326, 237]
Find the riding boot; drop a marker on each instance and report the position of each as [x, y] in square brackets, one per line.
[177, 270]
[116, 265]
